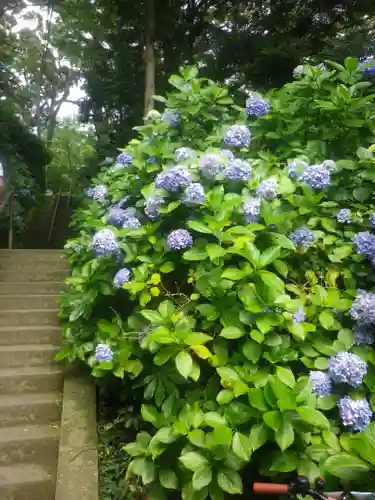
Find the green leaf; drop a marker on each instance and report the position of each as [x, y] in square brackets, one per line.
[214, 419]
[241, 446]
[199, 227]
[148, 472]
[309, 469]
[326, 319]
[198, 438]
[166, 309]
[273, 419]
[195, 254]
[232, 332]
[168, 479]
[257, 400]
[232, 273]
[271, 254]
[252, 351]
[193, 461]
[197, 338]
[258, 436]
[184, 363]
[167, 267]
[285, 435]
[150, 414]
[272, 281]
[230, 481]
[346, 466]
[152, 316]
[286, 376]
[215, 251]
[202, 477]
[224, 397]
[313, 417]
[282, 241]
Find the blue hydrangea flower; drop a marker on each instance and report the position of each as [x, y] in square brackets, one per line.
[172, 118]
[123, 201]
[238, 170]
[151, 159]
[268, 189]
[344, 216]
[251, 210]
[372, 219]
[228, 153]
[316, 176]
[363, 308]
[210, 165]
[237, 136]
[363, 335]
[347, 368]
[179, 240]
[182, 154]
[173, 179]
[98, 193]
[299, 316]
[194, 194]
[302, 237]
[256, 106]
[295, 168]
[152, 206]
[104, 242]
[103, 353]
[321, 383]
[355, 414]
[122, 276]
[365, 244]
[370, 71]
[116, 216]
[131, 222]
[124, 158]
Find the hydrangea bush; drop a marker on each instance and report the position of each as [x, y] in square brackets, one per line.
[231, 277]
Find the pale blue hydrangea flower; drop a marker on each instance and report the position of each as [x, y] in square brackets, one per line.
[194, 194]
[344, 216]
[251, 210]
[104, 242]
[298, 71]
[296, 167]
[370, 71]
[122, 276]
[355, 414]
[268, 189]
[131, 222]
[152, 206]
[256, 106]
[182, 154]
[365, 244]
[179, 240]
[238, 170]
[237, 136]
[372, 219]
[321, 383]
[103, 353]
[124, 158]
[116, 216]
[151, 159]
[228, 153]
[172, 118]
[316, 176]
[363, 308]
[173, 179]
[299, 316]
[211, 165]
[363, 335]
[123, 201]
[98, 193]
[108, 160]
[302, 237]
[347, 368]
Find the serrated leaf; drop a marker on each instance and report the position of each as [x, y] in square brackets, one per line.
[168, 479]
[202, 477]
[184, 363]
[313, 417]
[193, 460]
[230, 481]
[272, 281]
[284, 437]
[241, 446]
[346, 466]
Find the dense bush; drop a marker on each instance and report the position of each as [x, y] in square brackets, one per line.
[224, 264]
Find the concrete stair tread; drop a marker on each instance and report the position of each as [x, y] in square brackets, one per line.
[28, 399]
[33, 328]
[39, 295]
[28, 311]
[28, 347]
[23, 371]
[12, 475]
[20, 433]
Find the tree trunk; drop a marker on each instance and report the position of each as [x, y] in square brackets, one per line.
[149, 56]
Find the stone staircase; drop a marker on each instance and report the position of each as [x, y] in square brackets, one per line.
[30, 379]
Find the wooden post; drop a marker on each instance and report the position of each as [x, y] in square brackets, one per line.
[10, 233]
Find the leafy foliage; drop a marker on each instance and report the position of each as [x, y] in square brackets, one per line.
[222, 335]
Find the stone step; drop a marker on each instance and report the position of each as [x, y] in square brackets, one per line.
[38, 444]
[33, 288]
[26, 409]
[27, 355]
[29, 317]
[30, 379]
[43, 301]
[22, 335]
[26, 482]
[31, 276]
[35, 265]
[32, 254]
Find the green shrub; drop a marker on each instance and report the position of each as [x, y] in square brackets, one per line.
[222, 334]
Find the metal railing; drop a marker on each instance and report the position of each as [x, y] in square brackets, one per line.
[9, 197]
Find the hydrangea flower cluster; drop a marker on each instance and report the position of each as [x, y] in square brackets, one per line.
[179, 239]
[251, 210]
[321, 383]
[124, 158]
[363, 335]
[211, 165]
[295, 168]
[122, 276]
[355, 413]
[194, 194]
[98, 193]
[268, 189]
[228, 153]
[370, 71]
[316, 176]
[302, 237]
[256, 106]
[152, 206]
[363, 308]
[372, 219]
[299, 316]
[344, 216]
[238, 170]
[365, 244]
[103, 353]
[347, 368]
[173, 179]
[123, 201]
[116, 216]
[182, 154]
[172, 118]
[237, 136]
[104, 242]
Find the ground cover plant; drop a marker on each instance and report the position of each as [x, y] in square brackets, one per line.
[225, 267]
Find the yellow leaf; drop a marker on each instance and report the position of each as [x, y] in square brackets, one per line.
[202, 351]
[155, 291]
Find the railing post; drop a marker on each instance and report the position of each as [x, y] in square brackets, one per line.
[10, 233]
